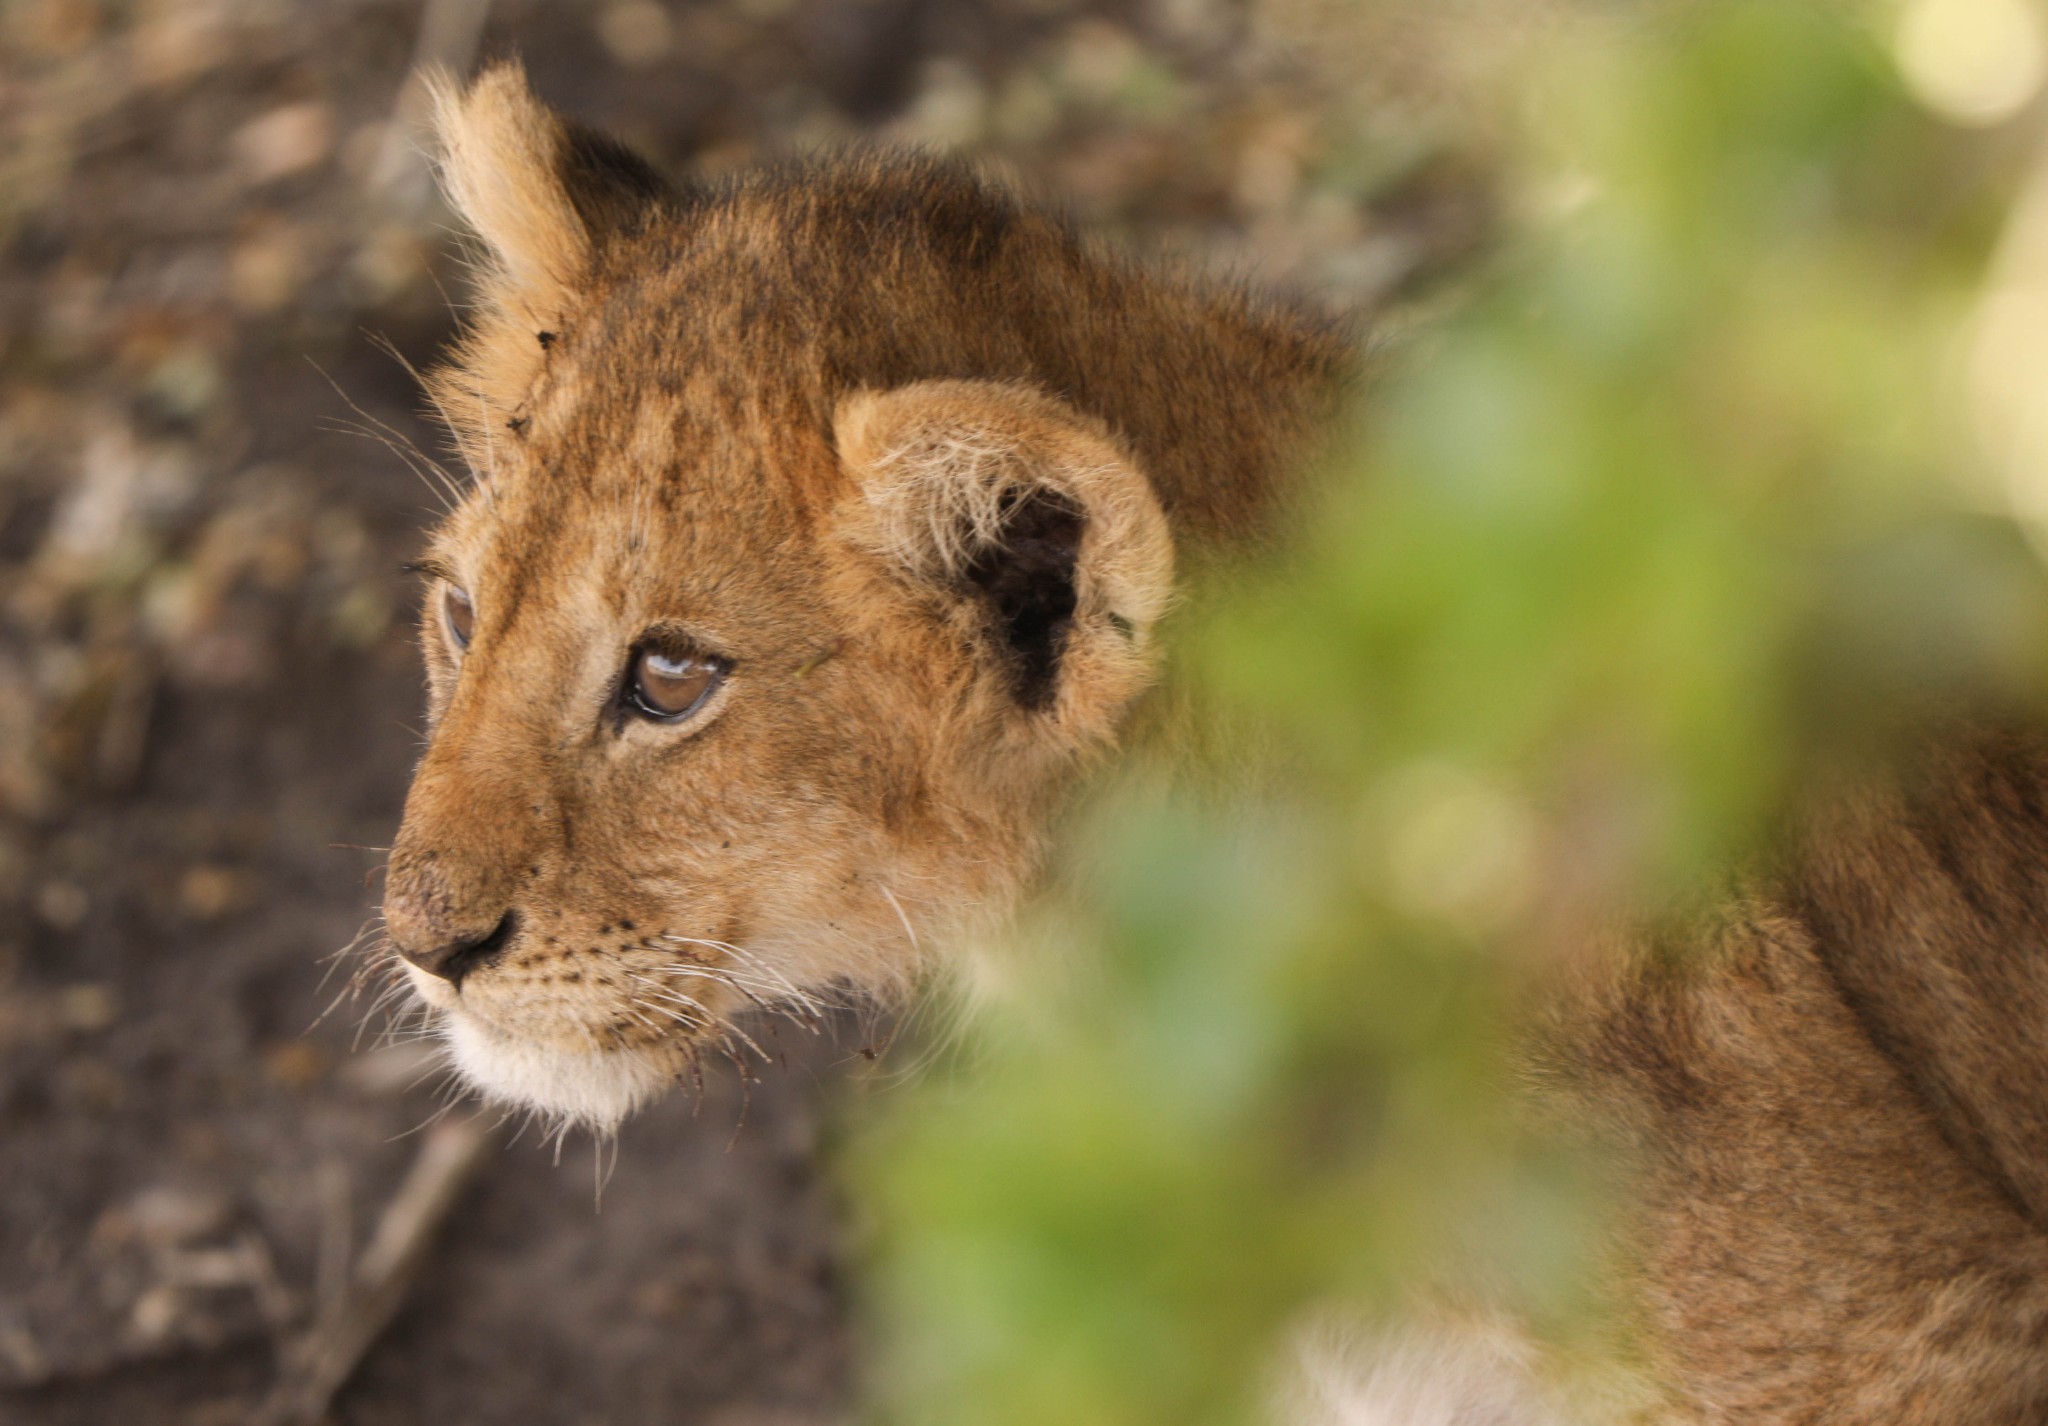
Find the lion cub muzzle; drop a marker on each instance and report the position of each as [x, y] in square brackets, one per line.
[448, 905]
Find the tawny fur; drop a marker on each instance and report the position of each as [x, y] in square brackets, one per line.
[911, 455]
[1841, 1098]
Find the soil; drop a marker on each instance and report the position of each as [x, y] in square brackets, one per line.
[215, 234]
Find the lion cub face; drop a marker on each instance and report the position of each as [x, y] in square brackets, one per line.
[749, 672]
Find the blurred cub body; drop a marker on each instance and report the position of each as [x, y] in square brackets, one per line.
[1842, 1100]
[1834, 1104]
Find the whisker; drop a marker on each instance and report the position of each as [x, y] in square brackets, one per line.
[390, 349]
[897, 906]
[776, 980]
[696, 1076]
[450, 492]
[733, 1031]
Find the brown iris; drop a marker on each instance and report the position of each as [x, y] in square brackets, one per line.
[461, 615]
[670, 684]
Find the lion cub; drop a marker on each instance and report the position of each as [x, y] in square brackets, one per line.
[820, 527]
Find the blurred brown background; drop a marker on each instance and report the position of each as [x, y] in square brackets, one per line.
[213, 214]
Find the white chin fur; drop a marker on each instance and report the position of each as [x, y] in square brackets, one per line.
[595, 1088]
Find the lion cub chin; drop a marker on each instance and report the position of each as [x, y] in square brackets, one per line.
[594, 1088]
[821, 528]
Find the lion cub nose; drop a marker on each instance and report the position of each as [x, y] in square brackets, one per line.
[453, 959]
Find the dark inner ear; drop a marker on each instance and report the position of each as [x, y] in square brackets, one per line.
[612, 188]
[1027, 578]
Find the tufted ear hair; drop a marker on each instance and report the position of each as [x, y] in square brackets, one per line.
[547, 197]
[544, 194]
[1026, 520]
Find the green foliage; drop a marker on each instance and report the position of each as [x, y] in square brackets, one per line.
[1676, 502]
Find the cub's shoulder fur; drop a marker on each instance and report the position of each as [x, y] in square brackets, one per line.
[821, 524]
[1843, 1096]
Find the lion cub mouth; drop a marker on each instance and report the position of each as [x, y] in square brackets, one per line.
[590, 1040]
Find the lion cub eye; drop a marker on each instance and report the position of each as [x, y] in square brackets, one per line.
[461, 615]
[670, 686]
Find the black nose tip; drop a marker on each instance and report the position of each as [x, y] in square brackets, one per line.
[456, 959]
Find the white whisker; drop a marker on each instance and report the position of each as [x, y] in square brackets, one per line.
[897, 906]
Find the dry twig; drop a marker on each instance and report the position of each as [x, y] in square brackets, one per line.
[334, 1345]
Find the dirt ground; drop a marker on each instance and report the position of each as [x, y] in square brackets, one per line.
[212, 221]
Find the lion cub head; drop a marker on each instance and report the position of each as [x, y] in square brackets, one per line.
[819, 530]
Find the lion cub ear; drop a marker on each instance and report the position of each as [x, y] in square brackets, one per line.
[545, 195]
[1026, 521]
